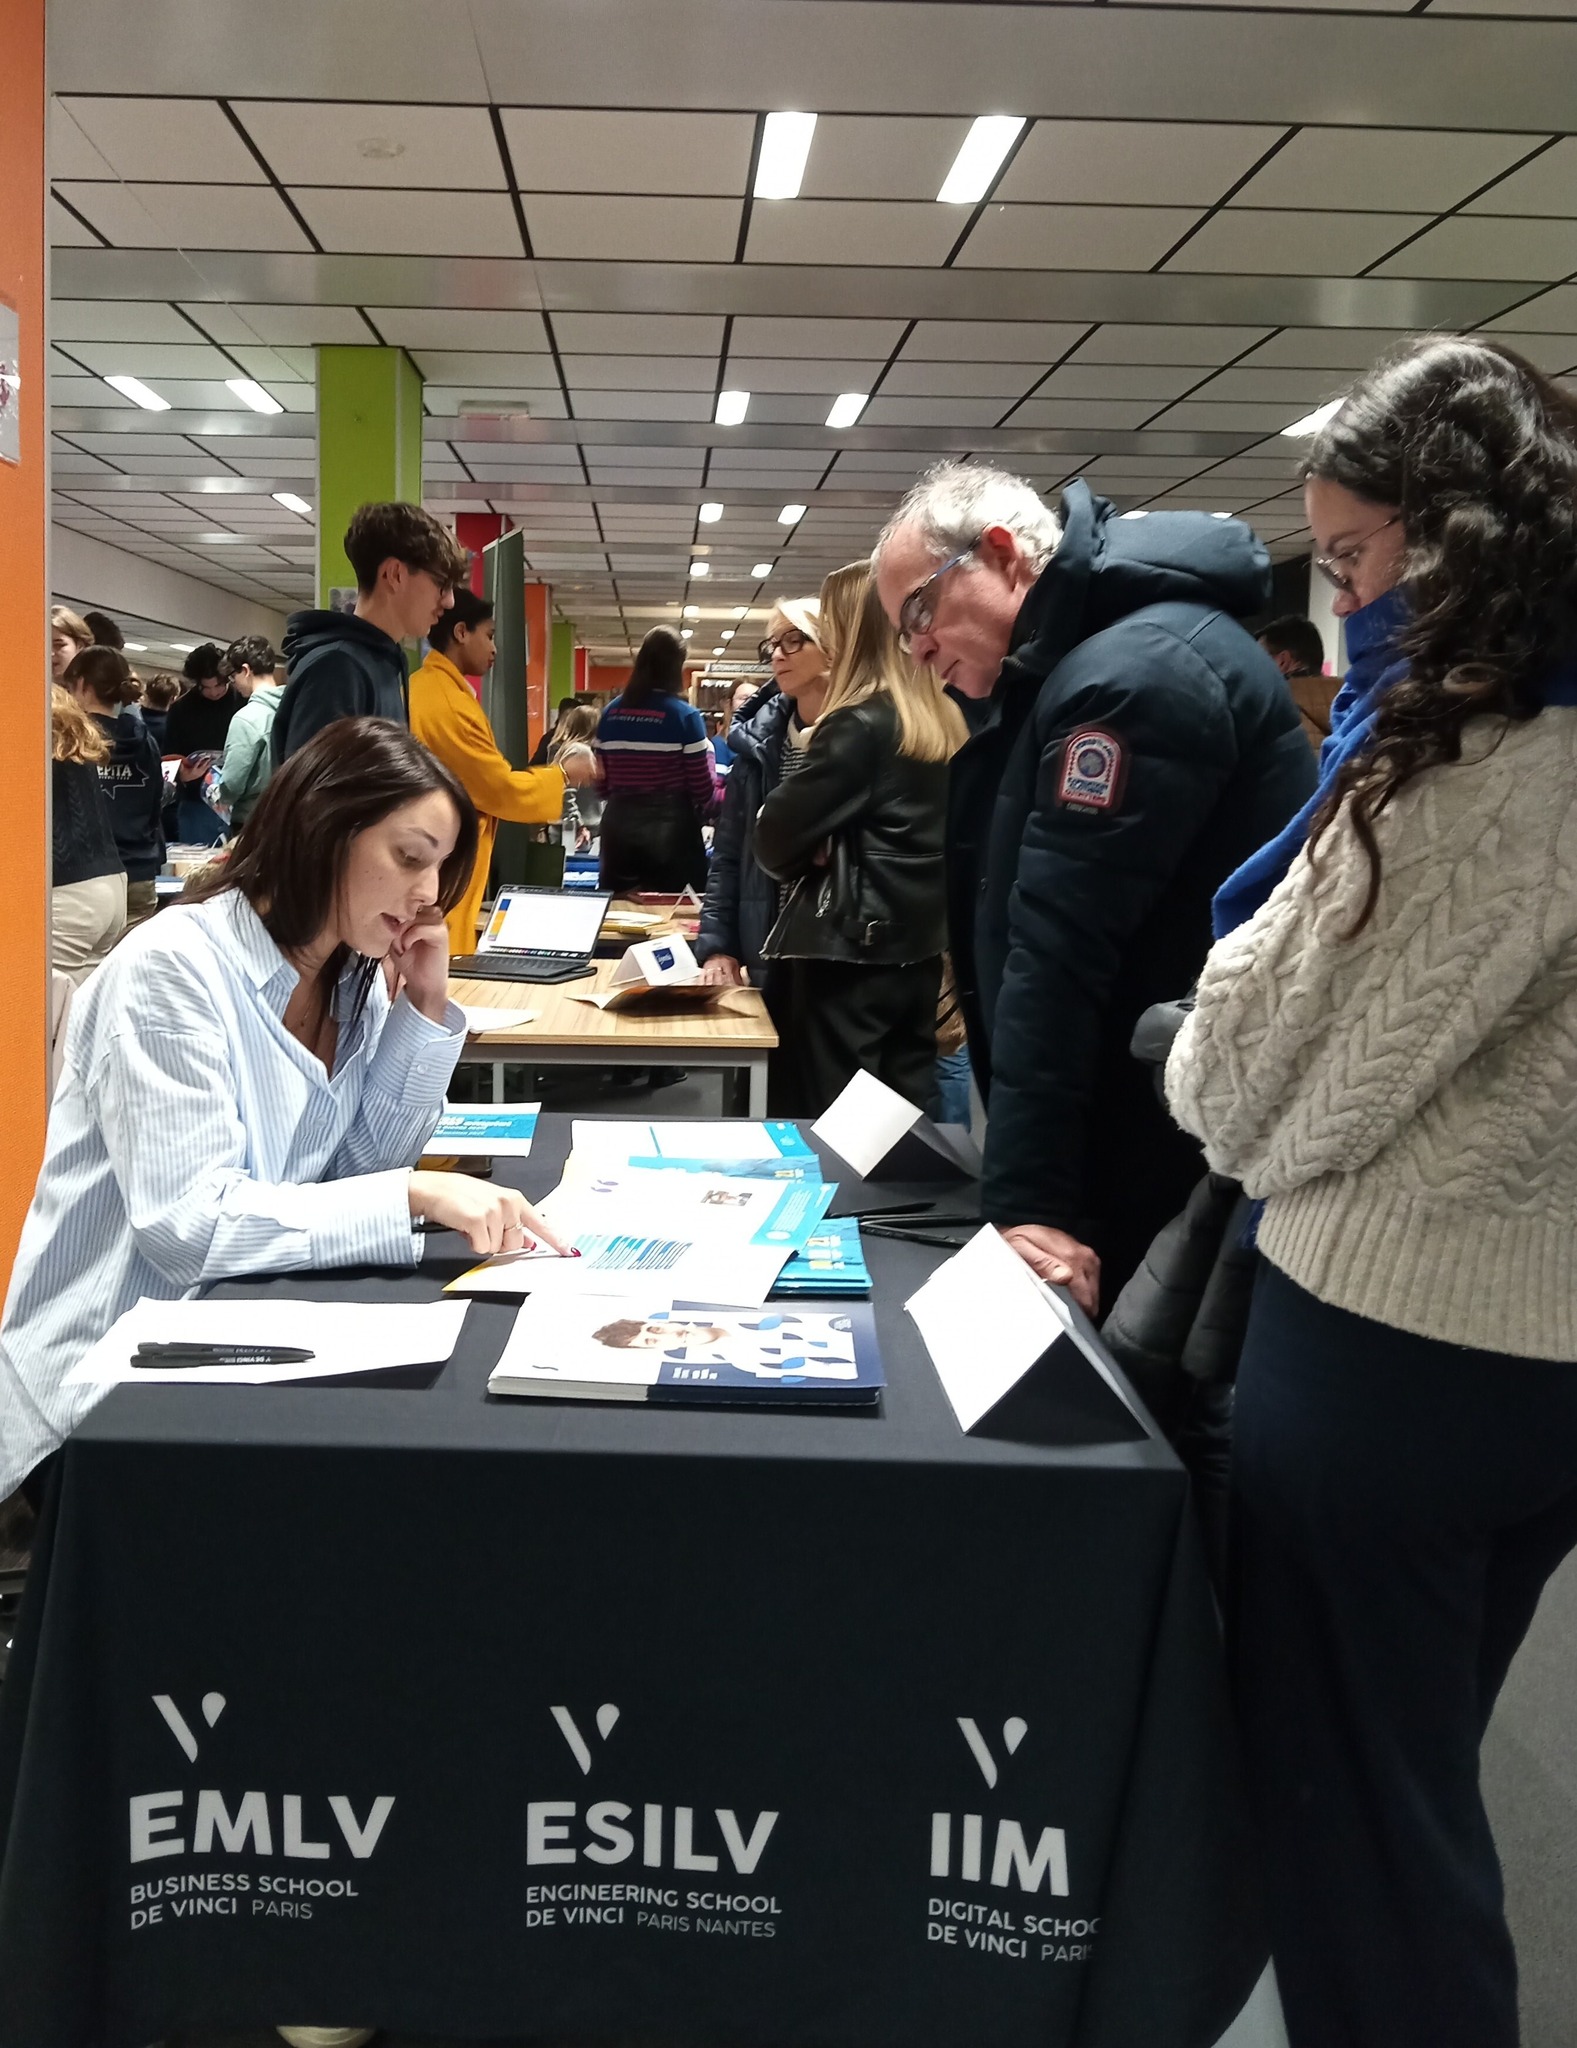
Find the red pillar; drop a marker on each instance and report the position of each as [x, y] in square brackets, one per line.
[474, 531]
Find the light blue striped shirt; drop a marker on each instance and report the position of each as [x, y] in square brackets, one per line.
[193, 1139]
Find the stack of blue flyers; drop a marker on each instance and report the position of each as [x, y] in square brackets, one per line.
[832, 1262]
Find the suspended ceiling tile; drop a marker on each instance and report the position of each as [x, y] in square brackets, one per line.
[1555, 354]
[447, 399]
[504, 372]
[1194, 415]
[800, 335]
[931, 412]
[409, 223]
[1075, 237]
[1295, 244]
[599, 150]
[116, 320]
[1400, 169]
[667, 334]
[1149, 381]
[1005, 381]
[1181, 344]
[461, 327]
[235, 450]
[319, 142]
[911, 233]
[187, 140]
[268, 365]
[66, 231]
[985, 341]
[599, 227]
[1113, 414]
[152, 359]
[819, 376]
[1474, 246]
[1143, 163]
[281, 326]
[1322, 348]
[145, 216]
[641, 405]
[1547, 313]
[71, 154]
[641, 373]
[1299, 390]
[881, 156]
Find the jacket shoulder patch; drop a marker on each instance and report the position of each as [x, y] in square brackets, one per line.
[1094, 766]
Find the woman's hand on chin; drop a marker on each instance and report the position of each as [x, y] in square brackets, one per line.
[419, 963]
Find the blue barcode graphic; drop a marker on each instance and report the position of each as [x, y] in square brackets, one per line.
[632, 1254]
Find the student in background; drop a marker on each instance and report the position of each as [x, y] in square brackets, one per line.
[742, 899]
[543, 751]
[446, 717]
[1295, 646]
[248, 762]
[351, 664]
[106, 633]
[87, 902]
[658, 777]
[576, 733]
[857, 829]
[159, 692]
[249, 1083]
[68, 635]
[196, 729]
[131, 773]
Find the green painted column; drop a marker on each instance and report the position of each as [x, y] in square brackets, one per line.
[561, 663]
[369, 445]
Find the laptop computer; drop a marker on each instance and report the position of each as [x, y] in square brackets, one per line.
[536, 935]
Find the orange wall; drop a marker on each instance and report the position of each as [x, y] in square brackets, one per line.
[604, 681]
[539, 638]
[24, 646]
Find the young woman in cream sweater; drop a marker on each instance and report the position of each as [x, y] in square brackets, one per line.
[1384, 1051]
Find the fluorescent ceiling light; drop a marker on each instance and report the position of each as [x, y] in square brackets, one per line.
[136, 646]
[184, 646]
[731, 407]
[692, 611]
[700, 568]
[1312, 422]
[728, 635]
[741, 611]
[138, 392]
[684, 633]
[760, 570]
[718, 650]
[711, 513]
[846, 408]
[219, 540]
[785, 144]
[251, 393]
[980, 158]
[292, 503]
[791, 515]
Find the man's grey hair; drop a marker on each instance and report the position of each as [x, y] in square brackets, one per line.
[953, 503]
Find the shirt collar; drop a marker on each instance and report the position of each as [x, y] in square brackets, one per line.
[265, 966]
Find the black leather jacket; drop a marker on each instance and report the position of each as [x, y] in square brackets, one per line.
[879, 896]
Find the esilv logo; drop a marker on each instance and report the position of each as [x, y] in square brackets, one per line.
[612, 1831]
[208, 1821]
[1011, 1859]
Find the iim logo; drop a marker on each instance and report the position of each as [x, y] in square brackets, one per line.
[668, 1840]
[259, 1820]
[1011, 1858]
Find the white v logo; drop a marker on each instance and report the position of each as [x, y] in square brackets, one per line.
[607, 1717]
[1014, 1729]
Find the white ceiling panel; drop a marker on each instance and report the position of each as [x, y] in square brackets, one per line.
[319, 142]
[298, 365]
[875, 232]
[641, 405]
[1322, 348]
[1400, 170]
[1113, 414]
[1546, 313]
[1553, 353]
[1141, 163]
[991, 341]
[931, 412]
[1194, 415]
[558, 149]
[116, 320]
[65, 231]
[143, 216]
[410, 223]
[147, 359]
[1075, 237]
[1152, 381]
[632, 230]
[282, 326]
[1294, 244]
[874, 156]
[447, 399]
[1297, 389]
[663, 334]
[1006, 381]
[641, 373]
[1474, 246]
[185, 140]
[71, 154]
[822, 376]
[1206, 346]
[466, 366]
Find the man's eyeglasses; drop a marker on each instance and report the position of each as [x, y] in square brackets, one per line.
[789, 641]
[1336, 568]
[918, 609]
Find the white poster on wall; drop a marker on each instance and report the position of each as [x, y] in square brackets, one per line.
[10, 385]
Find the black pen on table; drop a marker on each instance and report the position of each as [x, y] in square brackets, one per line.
[173, 1357]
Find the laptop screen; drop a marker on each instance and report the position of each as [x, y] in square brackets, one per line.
[545, 921]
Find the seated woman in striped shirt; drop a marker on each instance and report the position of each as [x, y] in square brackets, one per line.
[251, 1076]
[658, 778]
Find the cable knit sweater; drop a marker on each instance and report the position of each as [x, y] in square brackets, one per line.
[1405, 1102]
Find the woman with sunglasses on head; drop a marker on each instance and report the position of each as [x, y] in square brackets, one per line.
[771, 728]
[854, 831]
[1384, 1051]
[658, 779]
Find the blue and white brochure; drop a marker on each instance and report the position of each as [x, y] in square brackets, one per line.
[644, 1347]
[485, 1131]
[728, 1145]
[830, 1262]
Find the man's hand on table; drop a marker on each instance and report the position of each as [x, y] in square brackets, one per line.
[1059, 1259]
[722, 971]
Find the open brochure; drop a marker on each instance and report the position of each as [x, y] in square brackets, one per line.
[654, 972]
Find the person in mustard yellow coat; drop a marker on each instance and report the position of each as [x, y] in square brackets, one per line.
[449, 722]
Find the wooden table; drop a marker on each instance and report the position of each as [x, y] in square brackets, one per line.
[734, 1034]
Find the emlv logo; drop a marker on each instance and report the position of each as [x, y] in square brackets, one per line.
[1011, 1858]
[259, 1820]
[667, 1841]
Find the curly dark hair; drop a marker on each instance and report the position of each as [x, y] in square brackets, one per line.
[408, 534]
[1477, 452]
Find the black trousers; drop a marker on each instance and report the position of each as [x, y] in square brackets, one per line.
[1398, 1505]
[652, 842]
[834, 1017]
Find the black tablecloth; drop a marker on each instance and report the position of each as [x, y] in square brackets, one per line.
[403, 1705]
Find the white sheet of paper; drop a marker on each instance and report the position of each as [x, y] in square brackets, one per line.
[479, 1019]
[980, 1351]
[865, 1122]
[346, 1336]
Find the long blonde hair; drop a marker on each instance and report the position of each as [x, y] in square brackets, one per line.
[866, 660]
[73, 735]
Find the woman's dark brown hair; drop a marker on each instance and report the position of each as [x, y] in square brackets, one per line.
[1477, 451]
[290, 857]
[658, 670]
[107, 674]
